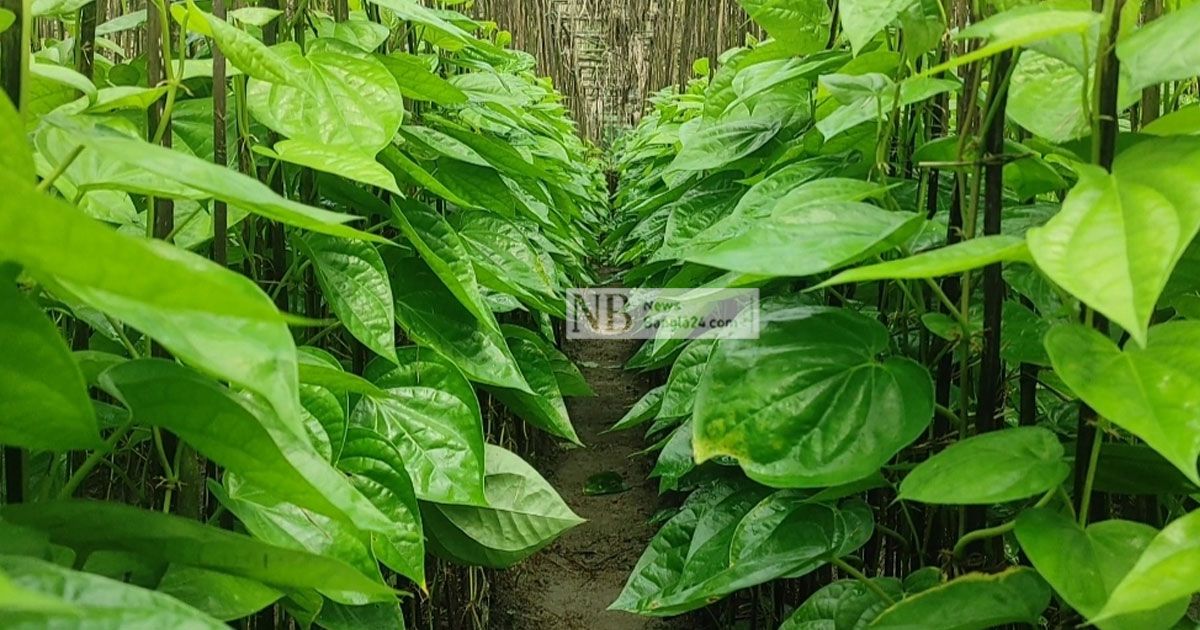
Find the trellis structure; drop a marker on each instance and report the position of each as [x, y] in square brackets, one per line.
[606, 56]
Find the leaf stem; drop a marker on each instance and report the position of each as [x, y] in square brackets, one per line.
[842, 565]
[62, 167]
[93, 460]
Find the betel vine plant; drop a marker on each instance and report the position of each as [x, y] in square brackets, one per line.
[255, 273]
[974, 399]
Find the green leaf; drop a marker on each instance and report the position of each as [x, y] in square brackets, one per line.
[506, 261]
[342, 161]
[877, 102]
[438, 435]
[1167, 49]
[1020, 26]
[945, 261]
[675, 460]
[355, 282]
[350, 99]
[523, 515]
[433, 317]
[244, 50]
[16, 157]
[717, 144]
[212, 180]
[417, 82]
[182, 300]
[377, 470]
[1126, 231]
[973, 601]
[801, 25]
[399, 163]
[245, 440]
[811, 240]
[729, 537]
[570, 380]
[994, 467]
[544, 408]
[1168, 570]
[288, 526]
[862, 19]
[223, 596]
[1148, 392]
[46, 405]
[809, 404]
[443, 251]
[643, 411]
[101, 525]
[680, 395]
[1085, 565]
[57, 597]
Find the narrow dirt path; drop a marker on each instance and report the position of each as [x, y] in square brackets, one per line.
[568, 585]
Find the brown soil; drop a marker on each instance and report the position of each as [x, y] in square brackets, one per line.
[570, 584]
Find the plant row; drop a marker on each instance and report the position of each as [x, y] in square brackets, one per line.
[972, 401]
[262, 281]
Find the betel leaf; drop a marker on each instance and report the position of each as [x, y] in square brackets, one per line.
[58, 597]
[185, 302]
[711, 512]
[1085, 565]
[843, 605]
[16, 157]
[444, 252]
[989, 468]
[570, 380]
[438, 434]
[283, 524]
[544, 408]
[523, 514]
[1167, 49]
[338, 160]
[972, 602]
[223, 596]
[680, 394]
[1020, 26]
[1149, 391]
[212, 180]
[1126, 230]
[416, 81]
[809, 403]
[350, 100]
[46, 404]
[801, 25]
[377, 470]
[875, 100]
[736, 538]
[355, 282]
[242, 49]
[403, 166]
[862, 19]
[814, 239]
[431, 315]
[717, 144]
[100, 525]
[643, 411]
[1168, 570]
[377, 616]
[505, 260]
[231, 432]
[945, 261]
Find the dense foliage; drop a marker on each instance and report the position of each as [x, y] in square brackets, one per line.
[287, 250]
[974, 394]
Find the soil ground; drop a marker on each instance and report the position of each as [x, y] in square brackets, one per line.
[569, 585]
